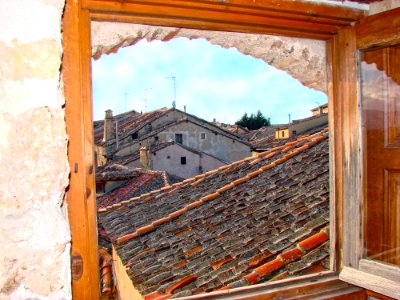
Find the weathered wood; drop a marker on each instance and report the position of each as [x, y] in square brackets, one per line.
[378, 30]
[377, 295]
[348, 162]
[318, 12]
[294, 19]
[382, 155]
[372, 282]
[335, 158]
[207, 25]
[81, 210]
[308, 287]
[369, 33]
[379, 269]
[302, 19]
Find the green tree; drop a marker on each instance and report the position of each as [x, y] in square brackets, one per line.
[254, 121]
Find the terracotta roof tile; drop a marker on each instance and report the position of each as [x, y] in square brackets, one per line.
[137, 182]
[267, 224]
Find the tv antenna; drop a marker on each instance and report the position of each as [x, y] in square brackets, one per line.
[145, 97]
[173, 78]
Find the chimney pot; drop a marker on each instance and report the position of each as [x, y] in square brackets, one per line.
[145, 158]
[109, 132]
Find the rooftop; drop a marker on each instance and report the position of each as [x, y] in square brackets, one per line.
[264, 138]
[132, 121]
[138, 181]
[259, 219]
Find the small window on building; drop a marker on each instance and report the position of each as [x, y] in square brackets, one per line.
[202, 136]
[294, 132]
[156, 138]
[283, 134]
[168, 157]
[100, 187]
[134, 135]
[183, 160]
[178, 138]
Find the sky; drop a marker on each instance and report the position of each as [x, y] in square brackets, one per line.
[211, 81]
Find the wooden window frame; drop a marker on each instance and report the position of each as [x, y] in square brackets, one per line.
[277, 17]
[374, 31]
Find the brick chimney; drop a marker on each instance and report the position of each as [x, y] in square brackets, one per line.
[145, 158]
[109, 132]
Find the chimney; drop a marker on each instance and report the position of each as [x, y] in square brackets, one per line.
[321, 110]
[145, 158]
[109, 133]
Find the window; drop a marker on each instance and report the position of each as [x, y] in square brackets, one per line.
[77, 90]
[283, 133]
[203, 136]
[372, 243]
[179, 138]
[135, 135]
[183, 160]
[156, 138]
[294, 132]
[100, 187]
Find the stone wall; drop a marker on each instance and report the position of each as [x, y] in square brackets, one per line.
[34, 255]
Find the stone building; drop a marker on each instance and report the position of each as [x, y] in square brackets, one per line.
[202, 144]
[322, 109]
[174, 158]
[46, 192]
[318, 119]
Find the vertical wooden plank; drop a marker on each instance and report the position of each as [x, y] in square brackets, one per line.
[335, 157]
[347, 140]
[80, 195]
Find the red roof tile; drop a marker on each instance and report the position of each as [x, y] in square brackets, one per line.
[241, 225]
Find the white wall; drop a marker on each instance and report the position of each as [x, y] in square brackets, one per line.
[169, 160]
[35, 239]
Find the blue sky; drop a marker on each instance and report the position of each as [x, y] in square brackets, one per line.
[211, 81]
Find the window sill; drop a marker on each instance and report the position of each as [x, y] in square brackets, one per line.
[321, 285]
[371, 282]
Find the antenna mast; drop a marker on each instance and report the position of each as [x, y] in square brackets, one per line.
[145, 98]
[174, 86]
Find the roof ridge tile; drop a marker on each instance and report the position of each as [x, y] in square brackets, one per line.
[180, 283]
[288, 256]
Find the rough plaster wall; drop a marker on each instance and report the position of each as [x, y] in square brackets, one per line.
[35, 239]
[301, 58]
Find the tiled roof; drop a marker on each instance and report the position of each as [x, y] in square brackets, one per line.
[106, 276]
[128, 122]
[260, 137]
[133, 121]
[264, 138]
[143, 182]
[259, 219]
[114, 171]
[212, 128]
